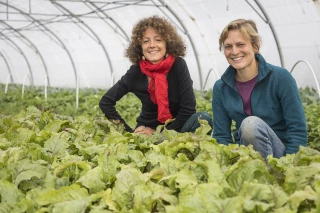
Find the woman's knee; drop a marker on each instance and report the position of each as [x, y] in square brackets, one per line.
[249, 126]
[205, 116]
[192, 123]
[251, 123]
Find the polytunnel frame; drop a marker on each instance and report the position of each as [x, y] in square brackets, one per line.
[47, 29]
[33, 47]
[38, 53]
[266, 19]
[9, 70]
[312, 71]
[63, 45]
[125, 36]
[55, 2]
[185, 31]
[98, 41]
[163, 4]
[19, 50]
[51, 32]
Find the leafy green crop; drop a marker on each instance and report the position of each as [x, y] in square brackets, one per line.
[55, 158]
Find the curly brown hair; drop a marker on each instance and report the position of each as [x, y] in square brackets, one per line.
[174, 43]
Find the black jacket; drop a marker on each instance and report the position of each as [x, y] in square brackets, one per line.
[182, 102]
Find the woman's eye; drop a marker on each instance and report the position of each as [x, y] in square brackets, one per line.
[241, 45]
[227, 47]
[146, 41]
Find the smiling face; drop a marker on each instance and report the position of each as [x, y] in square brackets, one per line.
[239, 51]
[153, 46]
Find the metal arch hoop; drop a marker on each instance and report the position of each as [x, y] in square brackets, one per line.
[7, 83]
[9, 78]
[48, 30]
[32, 46]
[313, 73]
[98, 40]
[113, 21]
[189, 37]
[24, 83]
[267, 20]
[22, 53]
[7, 64]
[56, 37]
[125, 36]
[205, 82]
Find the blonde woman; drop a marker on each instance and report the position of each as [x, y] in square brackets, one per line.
[261, 98]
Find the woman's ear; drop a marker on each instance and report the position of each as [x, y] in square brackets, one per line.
[255, 49]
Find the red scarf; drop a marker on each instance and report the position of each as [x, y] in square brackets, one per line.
[158, 86]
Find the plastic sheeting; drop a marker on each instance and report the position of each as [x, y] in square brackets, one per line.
[65, 43]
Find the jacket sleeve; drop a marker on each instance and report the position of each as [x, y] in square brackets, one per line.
[187, 100]
[114, 94]
[293, 113]
[221, 119]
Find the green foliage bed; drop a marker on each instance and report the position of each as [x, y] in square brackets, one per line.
[56, 158]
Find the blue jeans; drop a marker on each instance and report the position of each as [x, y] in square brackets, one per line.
[192, 123]
[256, 132]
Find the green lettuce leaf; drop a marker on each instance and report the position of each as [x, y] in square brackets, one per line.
[67, 193]
[25, 205]
[262, 197]
[123, 190]
[10, 193]
[56, 145]
[304, 200]
[306, 156]
[5, 207]
[297, 178]
[248, 170]
[20, 136]
[74, 206]
[29, 171]
[72, 170]
[110, 166]
[57, 125]
[93, 180]
[11, 156]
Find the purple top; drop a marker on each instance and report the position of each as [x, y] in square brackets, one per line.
[245, 89]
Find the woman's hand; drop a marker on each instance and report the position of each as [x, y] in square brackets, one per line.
[144, 130]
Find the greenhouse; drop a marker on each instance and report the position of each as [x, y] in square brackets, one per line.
[60, 153]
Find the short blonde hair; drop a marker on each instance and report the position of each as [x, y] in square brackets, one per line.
[247, 28]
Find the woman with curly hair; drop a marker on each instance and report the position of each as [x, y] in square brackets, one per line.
[159, 77]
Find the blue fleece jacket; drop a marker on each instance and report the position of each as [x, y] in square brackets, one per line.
[275, 99]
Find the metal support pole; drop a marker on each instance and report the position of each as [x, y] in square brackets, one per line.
[313, 73]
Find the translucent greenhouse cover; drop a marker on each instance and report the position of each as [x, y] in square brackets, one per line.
[69, 43]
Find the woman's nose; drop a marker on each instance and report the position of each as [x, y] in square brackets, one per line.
[152, 43]
[234, 50]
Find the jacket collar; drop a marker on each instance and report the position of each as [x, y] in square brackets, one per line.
[263, 70]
